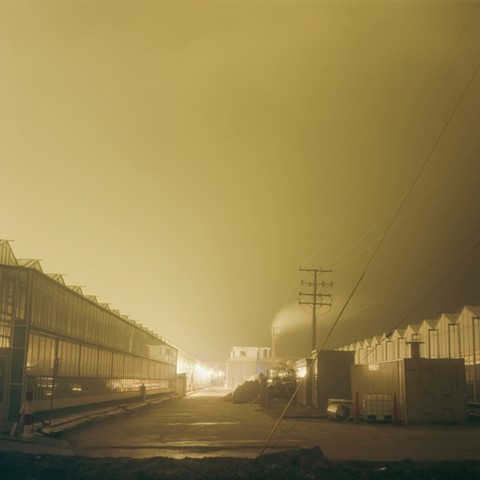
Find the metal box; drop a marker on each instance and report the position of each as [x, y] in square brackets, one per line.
[332, 377]
[422, 390]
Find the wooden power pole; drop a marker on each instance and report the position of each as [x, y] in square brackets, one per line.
[314, 298]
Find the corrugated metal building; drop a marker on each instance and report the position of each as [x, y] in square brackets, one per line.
[451, 335]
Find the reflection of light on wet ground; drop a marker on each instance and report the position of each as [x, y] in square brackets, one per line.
[179, 454]
[179, 450]
[211, 392]
[201, 423]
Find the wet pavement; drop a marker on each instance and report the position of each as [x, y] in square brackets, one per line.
[206, 424]
[37, 444]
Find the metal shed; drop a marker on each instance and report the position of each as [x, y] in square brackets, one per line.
[422, 390]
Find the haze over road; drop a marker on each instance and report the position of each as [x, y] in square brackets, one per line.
[181, 160]
[205, 424]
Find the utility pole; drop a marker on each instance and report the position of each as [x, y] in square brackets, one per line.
[314, 298]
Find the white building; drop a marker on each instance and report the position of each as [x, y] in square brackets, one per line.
[245, 362]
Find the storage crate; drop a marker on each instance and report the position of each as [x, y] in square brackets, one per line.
[377, 407]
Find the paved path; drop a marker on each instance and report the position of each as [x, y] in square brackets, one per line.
[205, 424]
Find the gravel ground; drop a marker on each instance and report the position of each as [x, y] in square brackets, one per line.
[292, 465]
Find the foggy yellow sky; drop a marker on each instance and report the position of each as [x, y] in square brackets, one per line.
[182, 159]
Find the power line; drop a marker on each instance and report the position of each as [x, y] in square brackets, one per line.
[401, 219]
[452, 48]
[380, 243]
[401, 285]
[404, 200]
[450, 272]
[315, 298]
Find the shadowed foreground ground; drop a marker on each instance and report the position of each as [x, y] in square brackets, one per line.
[293, 465]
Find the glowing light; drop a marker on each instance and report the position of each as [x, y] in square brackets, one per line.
[301, 372]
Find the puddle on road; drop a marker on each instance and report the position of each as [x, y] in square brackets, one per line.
[248, 449]
[200, 423]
